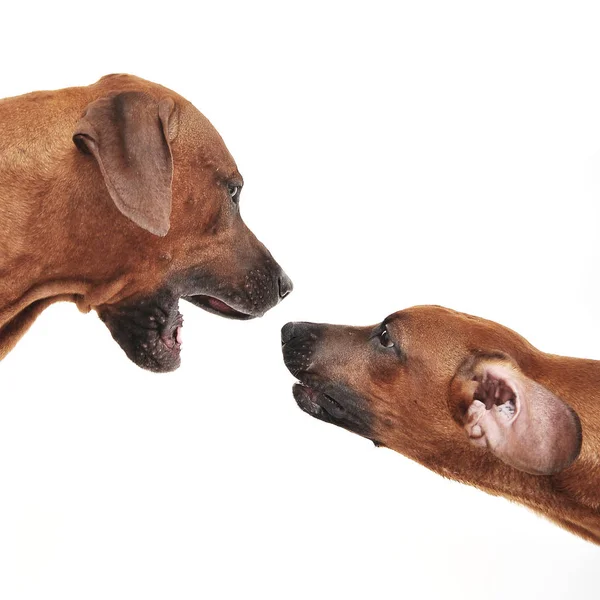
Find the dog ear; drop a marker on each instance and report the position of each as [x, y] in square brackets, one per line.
[128, 135]
[518, 420]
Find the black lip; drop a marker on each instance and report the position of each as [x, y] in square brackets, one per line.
[148, 333]
[216, 306]
[250, 297]
[317, 403]
[333, 403]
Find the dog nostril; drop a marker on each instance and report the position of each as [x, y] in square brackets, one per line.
[285, 286]
[287, 332]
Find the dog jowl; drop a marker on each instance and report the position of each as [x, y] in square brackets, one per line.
[465, 397]
[123, 198]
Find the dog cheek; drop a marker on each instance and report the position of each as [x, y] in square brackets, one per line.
[382, 371]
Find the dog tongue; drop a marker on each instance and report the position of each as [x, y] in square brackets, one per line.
[178, 335]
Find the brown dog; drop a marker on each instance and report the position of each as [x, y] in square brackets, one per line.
[465, 397]
[123, 198]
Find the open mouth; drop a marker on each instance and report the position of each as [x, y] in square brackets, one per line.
[218, 307]
[150, 331]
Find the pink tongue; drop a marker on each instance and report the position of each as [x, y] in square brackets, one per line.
[178, 335]
[218, 305]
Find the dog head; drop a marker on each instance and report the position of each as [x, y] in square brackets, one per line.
[162, 199]
[456, 393]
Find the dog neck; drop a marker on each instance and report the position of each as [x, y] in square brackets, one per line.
[577, 382]
[50, 200]
[39, 265]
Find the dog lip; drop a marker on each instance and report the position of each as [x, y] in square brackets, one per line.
[304, 398]
[332, 403]
[171, 336]
[316, 402]
[148, 332]
[217, 306]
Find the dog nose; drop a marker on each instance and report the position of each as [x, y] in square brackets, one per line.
[302, 331]
[285, 286]
[298, 343]
[287, 333]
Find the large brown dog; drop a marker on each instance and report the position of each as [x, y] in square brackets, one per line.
[465, 397]
[123, 198]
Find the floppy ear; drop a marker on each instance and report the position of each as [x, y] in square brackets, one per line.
[520, 421]
[127, 134]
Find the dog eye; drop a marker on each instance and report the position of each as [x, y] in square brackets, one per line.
[234, 192]
[384, 338]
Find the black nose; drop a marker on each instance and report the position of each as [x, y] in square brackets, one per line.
[298, 343]
[285, 285]
[303, 331]
[287, 333]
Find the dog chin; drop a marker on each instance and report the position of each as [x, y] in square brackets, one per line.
[154, 354]
[151, 337]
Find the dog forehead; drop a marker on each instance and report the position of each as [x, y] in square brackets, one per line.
[436, 337]
[448, 337]
[200, 144]
[433, 318]
[424, 321]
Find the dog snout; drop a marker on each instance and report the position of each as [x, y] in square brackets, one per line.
[266, 281]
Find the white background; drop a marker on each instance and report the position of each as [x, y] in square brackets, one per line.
[395, 153]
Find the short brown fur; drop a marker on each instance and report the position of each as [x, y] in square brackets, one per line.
[63, 238]
[415, 397]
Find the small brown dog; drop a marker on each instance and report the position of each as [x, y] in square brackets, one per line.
[465, 397]
[123, 198]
